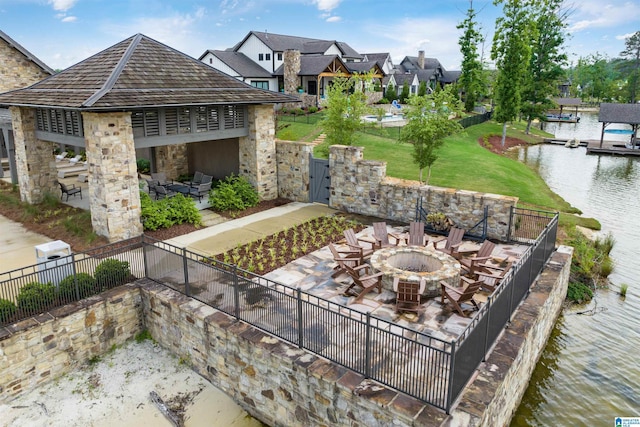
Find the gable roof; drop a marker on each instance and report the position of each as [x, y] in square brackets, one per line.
[139, 72]
[568, 101]
[619, 113]
[313, 65]
[306, 46]
[365, 67]
[239, 62]
[450, 76]
[405, 77]
[31, 57]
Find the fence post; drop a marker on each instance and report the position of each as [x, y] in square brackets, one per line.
[452, 368]
[236, 293]
[75, 276]
[511, 213]
[144, 260]
[300, 334]
[367, 348]
[486, 332]
[186, 272]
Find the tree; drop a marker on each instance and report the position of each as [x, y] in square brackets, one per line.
[470, 80]
[404, 95]
[428, 124]
[422, 89]
[547, 59]
[632, 51]
[345, 108]
[391, 93]
[511, 52]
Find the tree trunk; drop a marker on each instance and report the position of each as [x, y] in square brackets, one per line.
[420, 178]
[504, 133]
[528, 128]
[428, 175]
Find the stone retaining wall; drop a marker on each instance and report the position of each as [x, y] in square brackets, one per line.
[293, 169]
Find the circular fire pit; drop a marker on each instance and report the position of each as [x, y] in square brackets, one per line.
[412, 263]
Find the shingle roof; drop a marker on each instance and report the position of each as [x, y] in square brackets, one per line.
[240, 63]
[619, 113]
[31, 57]
[306, 46]
[364, 67]
[139, 72]
[402, 78]
[568, 101]
[313, 65]
[450, 76]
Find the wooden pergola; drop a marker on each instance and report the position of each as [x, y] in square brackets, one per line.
[620, 113]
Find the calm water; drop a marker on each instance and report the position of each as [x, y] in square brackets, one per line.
[590, 369]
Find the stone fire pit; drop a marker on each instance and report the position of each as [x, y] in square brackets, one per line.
[412, 263]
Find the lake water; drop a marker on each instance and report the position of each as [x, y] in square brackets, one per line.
[589, 371]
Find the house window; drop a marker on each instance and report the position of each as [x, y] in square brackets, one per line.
[268, 57]
[279, 56]
[210, 60]
[260, 84]
[261, 57]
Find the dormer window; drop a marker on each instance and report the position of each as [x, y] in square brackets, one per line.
[261, 57]
[267, 57]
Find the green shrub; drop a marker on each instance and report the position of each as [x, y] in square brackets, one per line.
[144, 165]
[233, 193]
[579, 292]
[36, 296]
[167, 212]
[86, 285]
[7, 309]
[383, 101]
[111, 273]
[313, 109]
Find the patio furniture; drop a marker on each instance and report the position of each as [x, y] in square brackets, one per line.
[162, 192]
[381, 235]
[460, 295]
[354, 243]
[491, 274]
[348, 258]
[473, 263]
[206, 179]
[408, 294]
[61, 156]
[151, 184]
[69, 190]
[161, 177]
[73, 171]
[362, 285]
[451, 242]
[416, 234]
[200, 191]
[74, 160]
[197, 179]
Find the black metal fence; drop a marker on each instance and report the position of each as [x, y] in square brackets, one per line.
[422, 366]
[475, 120]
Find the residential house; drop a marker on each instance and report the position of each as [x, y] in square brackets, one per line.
[428, 70]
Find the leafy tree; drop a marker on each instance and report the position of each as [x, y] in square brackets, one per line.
[428, 124]
[632, 51]
[595, 76]
[346, 107]
[391, 93]
[470, 80]
[422, 89]
[547, 59]
[511, 52]
[404, 95]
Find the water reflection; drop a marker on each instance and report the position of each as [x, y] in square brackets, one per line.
[587, 373]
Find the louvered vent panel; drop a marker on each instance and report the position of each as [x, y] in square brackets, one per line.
[201, 119]
[68, 123]
[151, 123]
[76, 123]
[184, 120]
[40, 120]
[229, 116]
[171, 121]
[214, 118]
[239, 121]
[137, 123]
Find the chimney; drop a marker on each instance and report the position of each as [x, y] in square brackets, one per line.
[291, 70]
[421, 59]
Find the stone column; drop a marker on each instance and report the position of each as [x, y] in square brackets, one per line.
[291, 70]
[113, 179]
[35, 163]
[172, 160]
[258, 152]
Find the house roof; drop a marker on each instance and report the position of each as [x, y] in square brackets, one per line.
[31, 57]
[313, 65]
[619, 113]
[239, 62]
[306, 46]
[380, 58]
[568, 101]
[450, 76]
[405, 77]
[365, 67]
[139, 72]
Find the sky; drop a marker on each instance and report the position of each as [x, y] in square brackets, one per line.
[64, 32]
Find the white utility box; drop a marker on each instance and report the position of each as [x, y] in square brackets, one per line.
[54, 261]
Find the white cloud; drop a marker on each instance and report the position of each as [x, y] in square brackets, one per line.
[624, 36]
[326, 5]
[62, 5]
[334, 19]
[589, 14]
[70, 19]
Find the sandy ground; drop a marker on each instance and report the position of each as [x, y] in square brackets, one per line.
[115, 391]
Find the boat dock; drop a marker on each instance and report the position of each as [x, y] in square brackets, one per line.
[616, 148]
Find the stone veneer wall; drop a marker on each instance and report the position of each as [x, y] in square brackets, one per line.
[293, 169]
[361, 186]
[35, 162]
[38, 350]
[113, 175]
[172, 160]
[17, 71]
[258, 151]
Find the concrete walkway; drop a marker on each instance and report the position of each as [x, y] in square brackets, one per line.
[227, 235]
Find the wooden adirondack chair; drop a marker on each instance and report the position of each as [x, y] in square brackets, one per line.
[416, 234]
[354, 243]
[460, 295]
[490, 275]
[381, 235]
[343, 259]
[473, 263]
[362, 285]
[408, 294]
[452, 242]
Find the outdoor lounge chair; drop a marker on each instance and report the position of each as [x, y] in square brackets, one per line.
[73, 171]
[69, 190]
[408, 294]
[416, 234]
[161, 177]
[75, 159]
[381, 235]
[354, 243]
[472, 264]
[162, 192]
[197, 179]
[491, 275]
[349, 258]
[61, 156]
[201, 191]
[452, 242]
[151, 184]
[362, 285]
[460, 295]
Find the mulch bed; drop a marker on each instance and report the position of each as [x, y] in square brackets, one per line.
[495, 143]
